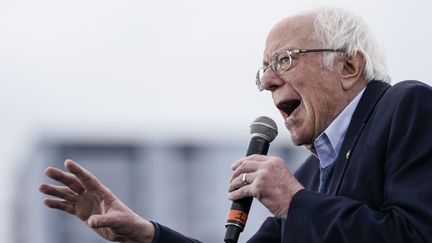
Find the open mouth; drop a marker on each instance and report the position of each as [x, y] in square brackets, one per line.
[288, 107]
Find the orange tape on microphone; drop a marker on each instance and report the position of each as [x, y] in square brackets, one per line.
[237, 217]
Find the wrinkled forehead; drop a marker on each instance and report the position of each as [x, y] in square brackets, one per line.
[291, 33]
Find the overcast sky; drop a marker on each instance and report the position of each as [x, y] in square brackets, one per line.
[165, 68]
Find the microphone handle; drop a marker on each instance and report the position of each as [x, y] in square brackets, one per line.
[239, 211]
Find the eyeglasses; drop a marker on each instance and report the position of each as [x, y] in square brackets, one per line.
[282, 62]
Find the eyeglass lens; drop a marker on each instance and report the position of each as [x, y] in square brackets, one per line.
[280, 63]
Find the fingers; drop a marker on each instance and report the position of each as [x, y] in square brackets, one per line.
[242, 192]
[60, 205]
[247, 165]
[100, 221]
[241, 180]
[62, 192]
[249, 172]
[126, 226]
[245, 168]
[67, 179]
[254, 157]
[88, 180]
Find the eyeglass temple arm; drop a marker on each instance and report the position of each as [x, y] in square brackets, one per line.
[315, 50]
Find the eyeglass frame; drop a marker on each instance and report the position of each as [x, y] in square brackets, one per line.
[272, 63]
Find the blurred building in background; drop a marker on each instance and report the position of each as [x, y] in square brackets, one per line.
[185, 67]
[182, 185]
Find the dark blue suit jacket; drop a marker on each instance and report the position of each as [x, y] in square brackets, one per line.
[381, 188]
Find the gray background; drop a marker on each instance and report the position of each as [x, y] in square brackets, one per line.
[152, 75]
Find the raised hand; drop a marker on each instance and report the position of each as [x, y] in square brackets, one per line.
[84, 196]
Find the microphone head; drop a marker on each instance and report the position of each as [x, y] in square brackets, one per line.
[264, 127]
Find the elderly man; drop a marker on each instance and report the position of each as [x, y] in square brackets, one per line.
[369, 178]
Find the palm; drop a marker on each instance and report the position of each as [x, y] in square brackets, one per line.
[92, 204]
[89, 204]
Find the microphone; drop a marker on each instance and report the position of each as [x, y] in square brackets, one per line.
[263, 130]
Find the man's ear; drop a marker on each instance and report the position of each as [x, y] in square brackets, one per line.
[352, 70]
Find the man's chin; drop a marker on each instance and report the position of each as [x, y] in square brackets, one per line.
[297, 141]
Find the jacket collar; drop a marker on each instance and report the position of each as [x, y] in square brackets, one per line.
[371, 96]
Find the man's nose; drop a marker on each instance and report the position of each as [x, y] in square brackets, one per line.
[270, 81]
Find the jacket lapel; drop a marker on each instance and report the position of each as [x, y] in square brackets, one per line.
[373, 92]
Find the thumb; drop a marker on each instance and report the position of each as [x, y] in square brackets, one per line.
[99, 221]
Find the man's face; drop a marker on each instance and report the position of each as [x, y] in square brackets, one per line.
[308, 96]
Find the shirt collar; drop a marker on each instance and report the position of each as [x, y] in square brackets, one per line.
[328, 143]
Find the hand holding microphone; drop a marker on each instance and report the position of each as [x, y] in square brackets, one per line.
[264, 177]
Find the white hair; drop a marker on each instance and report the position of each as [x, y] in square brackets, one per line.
[341, 29]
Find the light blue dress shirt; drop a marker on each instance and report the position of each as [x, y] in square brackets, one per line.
[328, 144]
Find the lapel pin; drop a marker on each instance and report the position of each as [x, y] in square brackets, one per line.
[348, 154]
